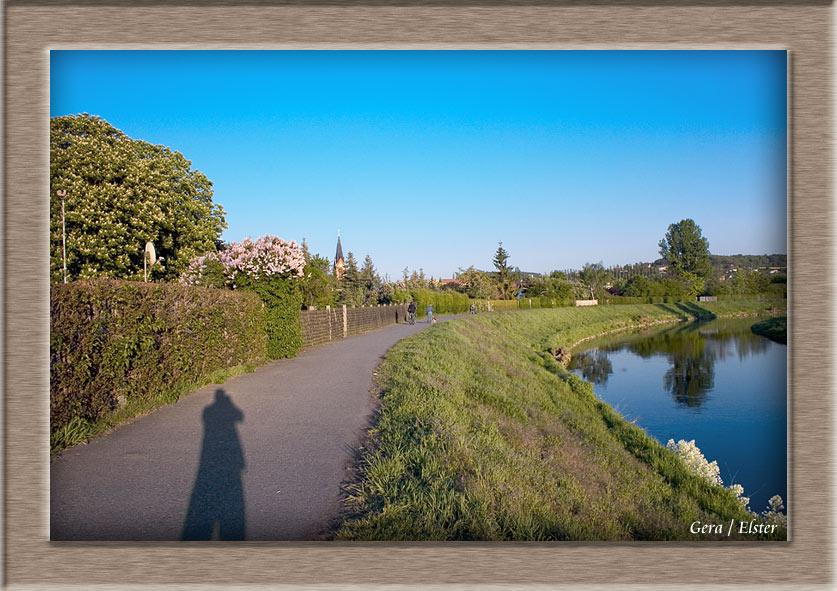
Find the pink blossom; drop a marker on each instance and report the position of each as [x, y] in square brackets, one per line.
[267, 256]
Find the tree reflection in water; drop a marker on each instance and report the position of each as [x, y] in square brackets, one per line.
[690, 379]
[691, 349]
[594, 365]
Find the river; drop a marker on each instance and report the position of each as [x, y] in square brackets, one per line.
[714, 382]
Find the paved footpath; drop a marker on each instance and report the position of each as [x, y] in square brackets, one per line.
[260, 457]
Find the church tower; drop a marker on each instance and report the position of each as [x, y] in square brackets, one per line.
[339, 261]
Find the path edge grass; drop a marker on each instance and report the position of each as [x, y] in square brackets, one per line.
[80, 431]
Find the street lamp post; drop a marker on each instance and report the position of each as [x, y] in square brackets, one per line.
[61, 194]
[149, 257]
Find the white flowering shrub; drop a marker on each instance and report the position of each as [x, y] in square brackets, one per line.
[690, 453]
[697, 463]
[773, 513]
[739, 492]
[247, 262]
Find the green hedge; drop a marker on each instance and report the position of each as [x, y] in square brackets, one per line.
[497, 305]
[615, 300]
[672, 299]
[282, 298]
[444, 302]
[743, 297]
[525, 303]
[112, 342]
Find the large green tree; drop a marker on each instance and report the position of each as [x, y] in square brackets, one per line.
[596, 278]
[554, 286]
[686, 250]
[120, 194]
[318, 283]
[478, 284]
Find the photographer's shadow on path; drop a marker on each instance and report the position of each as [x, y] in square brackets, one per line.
[216, 507]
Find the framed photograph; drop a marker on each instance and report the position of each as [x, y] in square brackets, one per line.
[458, 90]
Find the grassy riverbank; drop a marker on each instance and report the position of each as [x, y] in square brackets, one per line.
[775, 329]
[482, 435]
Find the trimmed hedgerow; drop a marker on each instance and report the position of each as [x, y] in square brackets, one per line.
[282, 298]
[115, 342]
[444, 302]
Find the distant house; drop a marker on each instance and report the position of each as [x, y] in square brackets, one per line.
[455, 282]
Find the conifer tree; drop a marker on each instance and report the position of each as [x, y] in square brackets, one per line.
[353, 292]
[503, 275]
[370, 281]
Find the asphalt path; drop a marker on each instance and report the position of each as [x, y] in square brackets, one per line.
[260, 457]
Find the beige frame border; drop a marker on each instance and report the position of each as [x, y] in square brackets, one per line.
[31, 28]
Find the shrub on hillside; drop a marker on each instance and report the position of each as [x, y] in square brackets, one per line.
[113, 341]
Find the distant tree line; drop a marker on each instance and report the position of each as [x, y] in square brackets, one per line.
[110, 195]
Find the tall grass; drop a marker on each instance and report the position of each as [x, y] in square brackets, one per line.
[483, 436]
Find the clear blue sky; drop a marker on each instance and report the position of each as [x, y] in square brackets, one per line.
[429, 158]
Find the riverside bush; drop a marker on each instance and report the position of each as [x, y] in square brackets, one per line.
[113, 342]
[775, 329]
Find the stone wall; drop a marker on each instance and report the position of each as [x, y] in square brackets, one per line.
[331, 324]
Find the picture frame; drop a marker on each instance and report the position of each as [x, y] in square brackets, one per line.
[804, 29]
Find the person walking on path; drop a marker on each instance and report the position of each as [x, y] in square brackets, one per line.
[429, 313]
[473, 309]
[411, 312]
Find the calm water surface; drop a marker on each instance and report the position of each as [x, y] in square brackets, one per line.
[714, 382]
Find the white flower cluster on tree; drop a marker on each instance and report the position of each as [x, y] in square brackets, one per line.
[118, 193]
[267, 256]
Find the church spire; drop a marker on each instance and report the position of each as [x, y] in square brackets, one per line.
[339, 261]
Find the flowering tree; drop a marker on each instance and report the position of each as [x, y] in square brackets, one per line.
[120, 194]
[270, 267]
[245, 263]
